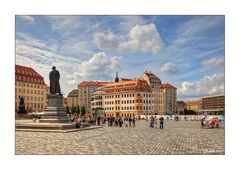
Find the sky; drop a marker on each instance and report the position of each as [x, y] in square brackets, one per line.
[185, 51]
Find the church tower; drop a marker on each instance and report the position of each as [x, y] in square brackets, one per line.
[116, 79]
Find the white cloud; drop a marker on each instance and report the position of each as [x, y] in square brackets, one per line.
[127, 22]
[27, 18]
[141, 38]
[169, 68]
[29, 40]
[106, 41]
[99, 67]
[208, 85]
[214, 62]
[73, 71]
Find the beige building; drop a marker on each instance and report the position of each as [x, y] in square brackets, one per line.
[124, 98]
[30, 84]
[213, 104]
[194, 105]
[72, 98]
[85, 90]
[143, 96]
[164, 95]
[170, 99]
[65, 102]
[181, 106]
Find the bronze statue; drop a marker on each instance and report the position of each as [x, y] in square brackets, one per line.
[54, 77]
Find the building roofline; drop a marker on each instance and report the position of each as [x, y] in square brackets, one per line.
[217, 95]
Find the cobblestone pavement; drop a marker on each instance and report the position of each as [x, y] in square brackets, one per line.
[182, 137]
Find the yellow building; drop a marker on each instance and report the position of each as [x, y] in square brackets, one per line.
[85, 91]
[72, 98]
[30, 85]
[144, 96]
[124, 98]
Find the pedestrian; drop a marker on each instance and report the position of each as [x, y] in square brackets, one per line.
[111, 120]
[34, 120]
[155, 122]
[161, 122]
[130, 121]
[108, 120]
[126, 121]
[120, 121]
[151, 122]
[116, 121]
[134, 121]
[98, 120]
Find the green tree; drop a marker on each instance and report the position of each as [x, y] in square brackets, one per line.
[67, 110]
[83, 110]
[220, 112]
[190, 112]
[78, 110]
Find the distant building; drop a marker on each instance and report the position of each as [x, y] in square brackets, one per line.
[30, 84]
[125, 98]
[72, 98]
[85, 90]
[170, 99]
[213, 104]
[181, 106]
[65, 102]
[143, 96]
[157, 95]
[194, 105]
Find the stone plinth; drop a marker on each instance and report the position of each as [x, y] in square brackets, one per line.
[55, 112]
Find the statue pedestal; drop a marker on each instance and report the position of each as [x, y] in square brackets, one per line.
[55, 112]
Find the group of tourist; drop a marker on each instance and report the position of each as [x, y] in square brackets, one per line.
[118, 121]
[154, 122]
[89, 120]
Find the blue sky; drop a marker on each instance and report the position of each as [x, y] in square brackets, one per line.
[185, 51]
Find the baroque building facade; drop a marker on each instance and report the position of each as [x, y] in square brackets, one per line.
[145, 95]
[30, 84]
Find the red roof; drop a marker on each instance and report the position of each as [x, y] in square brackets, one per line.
[167, 85]
[181, 102]
[136, 85]
[153, 78]
[125, 79]
[92, 83]
[28, 74]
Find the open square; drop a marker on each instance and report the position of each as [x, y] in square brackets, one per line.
[177, 137]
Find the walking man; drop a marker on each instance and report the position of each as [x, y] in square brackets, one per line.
[161, 122]
[134, 121]
[130, 121]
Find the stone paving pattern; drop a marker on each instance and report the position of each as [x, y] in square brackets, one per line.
[177, 138]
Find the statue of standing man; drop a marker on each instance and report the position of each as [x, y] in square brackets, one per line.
[54, 77]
